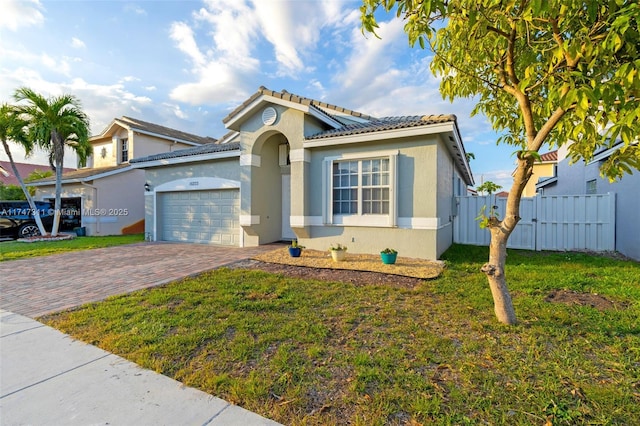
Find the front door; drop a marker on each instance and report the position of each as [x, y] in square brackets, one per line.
[287, 232]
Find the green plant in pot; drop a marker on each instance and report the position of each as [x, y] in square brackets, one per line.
[338, 252]
[388, 256]
[295, 249]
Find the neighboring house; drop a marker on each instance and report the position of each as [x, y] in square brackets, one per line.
[544, 168]
[8, 178]
[581, 178]
[107, 197]
[293, 167]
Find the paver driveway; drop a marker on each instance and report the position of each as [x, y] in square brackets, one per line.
[42, 285]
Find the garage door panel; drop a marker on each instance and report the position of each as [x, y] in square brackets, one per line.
[200, 216]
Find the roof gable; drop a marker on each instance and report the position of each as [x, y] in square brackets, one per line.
[156, 130]
[549, 157]
[332, 115]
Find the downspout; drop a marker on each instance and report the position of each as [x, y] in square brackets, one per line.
[95, 198]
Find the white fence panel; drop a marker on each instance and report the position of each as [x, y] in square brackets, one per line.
[556, 222]
[576, 222]
[465, 227]
[467, 231]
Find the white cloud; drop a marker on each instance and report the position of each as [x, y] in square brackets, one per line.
[21, 13]
[76, 43]
[134, 8]
[177, 111]
[183, 35]
[229, 61]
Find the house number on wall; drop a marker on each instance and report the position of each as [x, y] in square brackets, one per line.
[194, 183]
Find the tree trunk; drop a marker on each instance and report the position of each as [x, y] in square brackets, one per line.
[32, 204]
[58, 147]
[494, 269]
[500, 232]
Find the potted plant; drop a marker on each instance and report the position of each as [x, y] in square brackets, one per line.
[338, 252]
[295, 249]
[388, 256]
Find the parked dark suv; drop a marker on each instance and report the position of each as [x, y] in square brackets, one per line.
[17, 221]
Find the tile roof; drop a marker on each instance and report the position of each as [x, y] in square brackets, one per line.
[24, 169]
[168, 132]
[385, 123]
[549, 156]
[82, 174]
[209, 148]
[286, 96]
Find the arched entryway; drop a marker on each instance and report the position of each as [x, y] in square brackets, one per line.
[267, 177]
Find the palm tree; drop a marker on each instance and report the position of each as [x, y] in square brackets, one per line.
[52, 124]
[12, 128]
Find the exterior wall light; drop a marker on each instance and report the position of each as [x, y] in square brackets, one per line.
[147, 187]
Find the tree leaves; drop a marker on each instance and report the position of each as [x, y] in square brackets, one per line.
[555, 72]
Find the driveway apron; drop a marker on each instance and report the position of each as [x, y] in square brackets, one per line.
[48, 378]
[41, 285]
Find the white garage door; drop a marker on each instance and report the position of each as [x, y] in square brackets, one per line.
[200, 216]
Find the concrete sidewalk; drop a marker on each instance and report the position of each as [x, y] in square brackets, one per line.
[47, 378]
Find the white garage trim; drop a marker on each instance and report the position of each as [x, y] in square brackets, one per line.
[189, 184]
[197, 184]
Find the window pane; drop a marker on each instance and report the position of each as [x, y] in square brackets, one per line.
[385, 207]
[375, 165]
[385, 165]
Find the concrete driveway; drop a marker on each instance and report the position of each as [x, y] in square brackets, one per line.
[42, 285]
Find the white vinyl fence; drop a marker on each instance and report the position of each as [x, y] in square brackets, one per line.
[550, 222]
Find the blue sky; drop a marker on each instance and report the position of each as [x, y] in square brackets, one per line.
[187, 64]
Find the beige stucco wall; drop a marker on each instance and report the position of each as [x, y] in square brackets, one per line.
[144, 145]
[539, 170]
[140, 145]
[109, 204]
[416, 243]
[261, 185]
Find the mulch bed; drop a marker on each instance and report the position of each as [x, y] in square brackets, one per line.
[359, 278]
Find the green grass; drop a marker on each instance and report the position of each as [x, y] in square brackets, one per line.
[306, 352]
[11, 250]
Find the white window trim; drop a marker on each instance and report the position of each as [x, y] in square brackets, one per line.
[382, 220]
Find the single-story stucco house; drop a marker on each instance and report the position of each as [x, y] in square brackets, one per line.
[582, 178]
[296, 168]
[107, 196]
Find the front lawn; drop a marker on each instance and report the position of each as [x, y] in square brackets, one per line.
[322, 353]
[11, 250]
